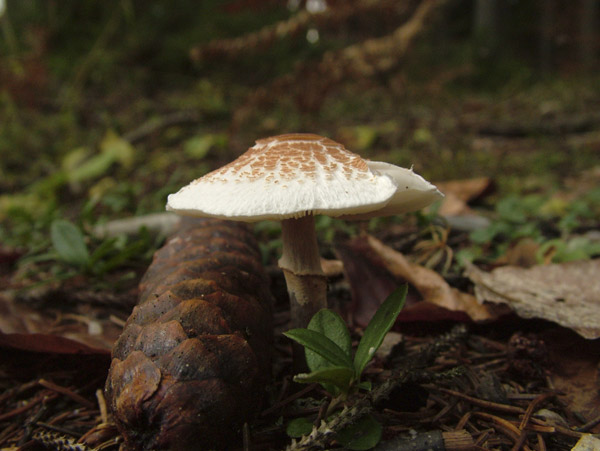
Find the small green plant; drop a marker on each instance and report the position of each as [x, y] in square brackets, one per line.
[69, 247]
[328, 349]
[551, 222]
[69, 252]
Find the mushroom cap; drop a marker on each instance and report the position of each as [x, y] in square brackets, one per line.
[293, 175]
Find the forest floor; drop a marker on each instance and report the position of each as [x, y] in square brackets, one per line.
[511, 253]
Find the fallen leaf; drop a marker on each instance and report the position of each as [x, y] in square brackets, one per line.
[522, 254]
[85, 325]
[370, 283]
[45, 343]
[565, 293]
[575, 371]
[430, 285]
[390, 341]
[374, 270]
[28, 355]
[458, 193]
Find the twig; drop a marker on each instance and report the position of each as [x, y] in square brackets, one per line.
[485, 434]
[19, 410]
[505, 426]
[433, 440]
[30, 423]
[589, 425]
[260, 40]
[159, 223]
[482, 403]
[289, 399]
[246, 437]
[8, 432]
[366, 59]
[57, 429]
[541, 443]
[10, 393]
[67, 392]
[528, 413]
[102, 406]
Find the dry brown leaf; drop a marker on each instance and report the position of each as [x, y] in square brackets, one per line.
[96, 332]
[522, 254]
[566, 293]
[452, 205]
[432, 287]
[458, 193]
[467, 189]
[370, 283]
[575, 371]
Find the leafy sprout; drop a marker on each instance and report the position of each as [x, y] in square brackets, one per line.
[69, 252]
[329, 357]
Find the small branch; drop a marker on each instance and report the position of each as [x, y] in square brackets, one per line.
[482, 403]
[357, 61]
[329, 19]
[67, 392]
[160, 223]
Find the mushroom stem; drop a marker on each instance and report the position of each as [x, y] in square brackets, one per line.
[301, 264]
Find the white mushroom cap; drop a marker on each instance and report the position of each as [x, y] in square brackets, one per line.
[293, 175]
[413, 192]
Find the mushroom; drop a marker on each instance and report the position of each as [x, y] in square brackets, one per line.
[291, 178]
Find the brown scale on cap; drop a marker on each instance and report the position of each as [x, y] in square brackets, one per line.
[290, 155]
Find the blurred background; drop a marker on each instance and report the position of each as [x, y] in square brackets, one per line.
[106, 107]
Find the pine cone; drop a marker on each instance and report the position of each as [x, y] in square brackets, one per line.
[191, 364]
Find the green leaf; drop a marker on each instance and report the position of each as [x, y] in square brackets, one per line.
[365, 385]
[119, 149]
[299, 427]
[69, 243]
[365, 136]
[378, 327]
[199, 146]
[92, 168]
[362, 435]
[121, 256]
[340, 376]
[75, 158]
[333, 327]
[105, 248]
[320, 344]
[113, 149]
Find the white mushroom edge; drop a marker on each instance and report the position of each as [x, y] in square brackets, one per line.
[388, 190]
